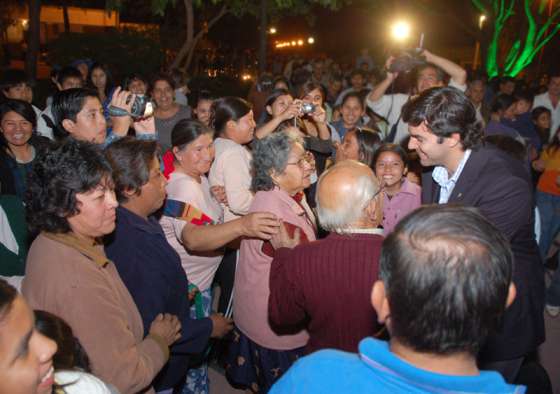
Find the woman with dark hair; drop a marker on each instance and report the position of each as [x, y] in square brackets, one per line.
[26, 364]
[281, 173]
[234, 127]
[358, 144]
[167, 112]
[71, 201]
[400, 196]
[279, 107]
[315, 123]
[351, 110]
[19, 145]
[188, 191]
[101, 81]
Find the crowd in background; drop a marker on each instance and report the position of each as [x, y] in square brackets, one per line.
[151, 229]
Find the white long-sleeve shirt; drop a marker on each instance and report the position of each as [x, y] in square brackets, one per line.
[232, 170]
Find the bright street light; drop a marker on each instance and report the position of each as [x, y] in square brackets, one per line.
[481, 21]
[400, 30]
[310, 40]
[272, 30]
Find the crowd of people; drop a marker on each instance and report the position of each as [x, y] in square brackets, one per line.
[335, 231]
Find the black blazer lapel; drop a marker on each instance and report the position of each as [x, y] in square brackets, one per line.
[471, 172]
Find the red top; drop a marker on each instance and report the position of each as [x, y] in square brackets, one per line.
[329, 283]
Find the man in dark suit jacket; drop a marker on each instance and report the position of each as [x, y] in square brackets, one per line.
[448, 139]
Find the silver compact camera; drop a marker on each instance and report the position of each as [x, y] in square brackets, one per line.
[307, 108]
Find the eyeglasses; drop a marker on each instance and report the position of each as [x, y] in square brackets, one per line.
[300, 163]
[307, 158]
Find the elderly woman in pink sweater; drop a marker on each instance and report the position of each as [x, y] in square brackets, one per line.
[259, 356]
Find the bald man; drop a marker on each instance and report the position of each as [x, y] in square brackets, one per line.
[327, 283]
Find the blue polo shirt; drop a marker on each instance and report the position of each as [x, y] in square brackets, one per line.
[151, 270]
[376, 370]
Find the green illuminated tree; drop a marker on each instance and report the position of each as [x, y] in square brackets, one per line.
[534, 21]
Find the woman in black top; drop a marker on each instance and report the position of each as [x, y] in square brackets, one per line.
[19, 145]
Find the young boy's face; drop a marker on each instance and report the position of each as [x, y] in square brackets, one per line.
[522, 106]
[90, 124]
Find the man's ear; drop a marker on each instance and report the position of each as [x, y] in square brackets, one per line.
[374, 209]
[380, 302]
[69, 125]
[268, 110]
[454, 139]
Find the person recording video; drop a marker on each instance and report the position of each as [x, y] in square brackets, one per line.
[431, 73]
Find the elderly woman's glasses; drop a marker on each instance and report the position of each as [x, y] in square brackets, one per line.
[307, 158]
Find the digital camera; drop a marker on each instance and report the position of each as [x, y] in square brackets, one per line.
[307, 108]
[141, 108]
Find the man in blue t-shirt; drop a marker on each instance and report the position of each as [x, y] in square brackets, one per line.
[445, 281]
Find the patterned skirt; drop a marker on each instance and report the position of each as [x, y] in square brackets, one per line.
[255, 367]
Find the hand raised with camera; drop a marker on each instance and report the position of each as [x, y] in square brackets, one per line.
[293, 110]
[390, 75]
[220, 325]
[122, 100]
[167, 327]
[319, 115]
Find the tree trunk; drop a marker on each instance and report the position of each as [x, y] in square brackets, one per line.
[66, 18]
[199, 36]
[33, 39]
[189, 15]
[262, 37]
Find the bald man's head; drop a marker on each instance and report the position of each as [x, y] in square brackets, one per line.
[344, 192]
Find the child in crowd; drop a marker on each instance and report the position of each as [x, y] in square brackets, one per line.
[400, 196]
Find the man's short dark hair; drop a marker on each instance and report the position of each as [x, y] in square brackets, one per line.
[446, 111]
[66, 73]
[447, 272]
[130, 160]
[61, 172]
[66, 105]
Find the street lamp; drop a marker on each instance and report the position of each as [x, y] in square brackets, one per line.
[272, 30]
[400, 30]
[481, 20]
[311, 40]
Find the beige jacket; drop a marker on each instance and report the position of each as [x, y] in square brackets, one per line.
[75, 281]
